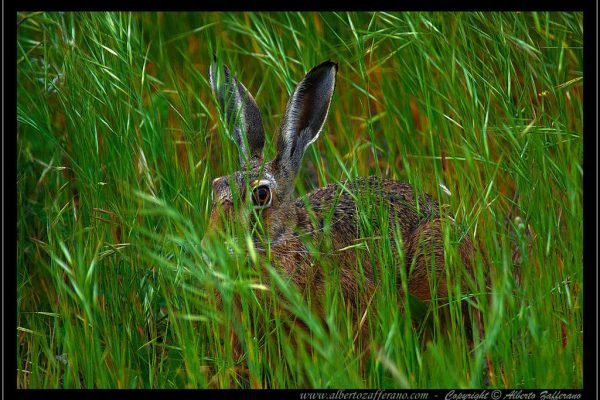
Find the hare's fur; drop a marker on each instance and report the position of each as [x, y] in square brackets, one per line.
[291, 223]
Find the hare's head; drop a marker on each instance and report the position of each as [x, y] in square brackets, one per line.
[261, 192]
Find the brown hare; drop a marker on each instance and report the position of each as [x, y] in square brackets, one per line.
[267, 190]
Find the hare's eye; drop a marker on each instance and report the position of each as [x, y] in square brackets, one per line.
[261, 196]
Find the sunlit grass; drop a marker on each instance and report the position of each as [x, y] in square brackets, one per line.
[118, 140]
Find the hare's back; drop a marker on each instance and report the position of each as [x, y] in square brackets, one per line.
[342, 201]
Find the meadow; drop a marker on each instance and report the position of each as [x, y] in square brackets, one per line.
[119, 138]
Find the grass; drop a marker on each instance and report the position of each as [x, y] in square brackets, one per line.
[118, 140]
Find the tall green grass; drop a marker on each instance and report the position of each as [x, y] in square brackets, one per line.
[118, 139]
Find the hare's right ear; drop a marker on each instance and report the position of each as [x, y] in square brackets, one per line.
[304, 118]
[241, 114]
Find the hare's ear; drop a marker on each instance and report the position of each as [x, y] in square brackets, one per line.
[240, 112]
[304, 117]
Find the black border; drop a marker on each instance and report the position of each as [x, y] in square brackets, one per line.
[308, 5]
[590, 167]
[590, 203]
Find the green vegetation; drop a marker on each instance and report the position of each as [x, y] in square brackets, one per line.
[118, 139]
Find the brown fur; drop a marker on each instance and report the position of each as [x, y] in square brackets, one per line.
[290, 226]
[327, 220]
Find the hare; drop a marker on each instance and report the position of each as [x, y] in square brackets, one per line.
[267, 188]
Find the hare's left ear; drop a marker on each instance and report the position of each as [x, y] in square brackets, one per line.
[240, 112]
[304, 118]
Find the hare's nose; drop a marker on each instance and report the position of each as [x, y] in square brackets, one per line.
[219, 186]
[219, 182]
